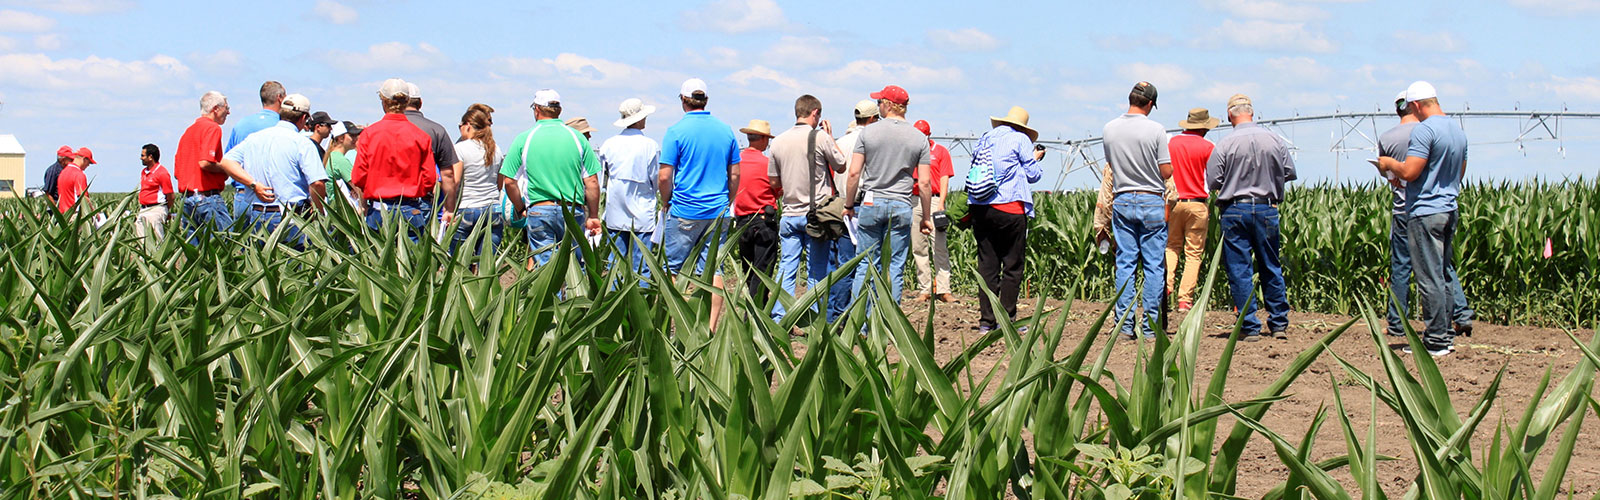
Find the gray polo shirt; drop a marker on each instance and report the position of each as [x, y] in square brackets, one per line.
[444, 150]
[1393, 143]
[893, 150]
[1250, 162]
[1136, 146]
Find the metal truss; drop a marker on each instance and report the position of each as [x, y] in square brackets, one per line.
[1357, 131]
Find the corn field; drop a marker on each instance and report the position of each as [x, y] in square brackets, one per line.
[386, 369]
[1336, 250]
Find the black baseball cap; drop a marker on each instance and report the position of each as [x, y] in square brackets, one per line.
[321, 118]
[1146, 90]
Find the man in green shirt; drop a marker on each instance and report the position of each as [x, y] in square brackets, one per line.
[562, 175]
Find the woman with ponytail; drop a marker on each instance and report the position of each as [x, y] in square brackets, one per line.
[479, 181]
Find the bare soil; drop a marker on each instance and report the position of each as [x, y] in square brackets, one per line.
[1525, 352]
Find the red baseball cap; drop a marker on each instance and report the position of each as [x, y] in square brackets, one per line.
[65, 151]
[894, 94]
[922, 126]
[86, 153]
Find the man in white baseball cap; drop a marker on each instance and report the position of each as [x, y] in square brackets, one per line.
[562, 175]
[631, 165]
[1433, 167]
[698, 178]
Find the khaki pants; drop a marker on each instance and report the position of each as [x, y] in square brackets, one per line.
[1186, 230]
[151, 220]
[939, 282]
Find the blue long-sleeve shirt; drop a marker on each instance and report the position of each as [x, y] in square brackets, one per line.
[1015, 169]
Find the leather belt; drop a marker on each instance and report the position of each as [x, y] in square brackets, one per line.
[1197, 200]
[191, 192]
[1253, 199]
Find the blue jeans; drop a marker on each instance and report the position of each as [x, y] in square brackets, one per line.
[1400, 281]
[203, 210]
[631, 247]
[840, 294]
[792, 239]
[1139, 223]
[1251, 229]
[469, 218]
[241, 202]
[889, 220]
[1433, 254]
[546, 226]
[266, 222]
[415, 212]
[683, 235]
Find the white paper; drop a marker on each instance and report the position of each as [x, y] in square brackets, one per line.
[850, 223]
[661, 228]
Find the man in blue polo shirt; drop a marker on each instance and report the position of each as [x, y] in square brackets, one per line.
[288, 165]
[1435, 163]
[699, 173]
[272, 94]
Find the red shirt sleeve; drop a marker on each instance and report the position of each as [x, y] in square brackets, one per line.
[164, 179]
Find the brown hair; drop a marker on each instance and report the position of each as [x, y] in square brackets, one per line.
[396, 104]
[805, 105]
[1137, 99]
[479, 116]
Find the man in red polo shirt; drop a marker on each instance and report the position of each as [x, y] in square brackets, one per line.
[1186, 224]
[197, 164]
[72, 184]
[755, 208]
[394, 164]
[155, 193]
[935, 282]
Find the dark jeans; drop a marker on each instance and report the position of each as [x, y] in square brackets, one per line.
[841, 293]
[758, 250]
[468, 219]
[1400, 281]
[1251, 230]
[1002, 251]
[1432, 255]
[265, 222]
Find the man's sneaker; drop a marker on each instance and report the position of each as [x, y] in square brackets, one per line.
[1281, 335]
[1184, 306]
[1437, 353]
[1463, 330]
[1251, 338]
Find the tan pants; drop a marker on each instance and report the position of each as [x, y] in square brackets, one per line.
[1186, 230]
[152, 220]
[939, 282]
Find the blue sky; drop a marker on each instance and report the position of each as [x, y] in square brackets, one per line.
[115, 74]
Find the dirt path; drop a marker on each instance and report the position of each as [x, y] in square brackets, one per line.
[1526, 353]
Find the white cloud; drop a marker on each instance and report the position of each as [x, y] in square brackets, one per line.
[389, 57]
[775, 82]
[14, 21]
[1115, 94]
[1298, 70]
[335, 12]
[967, 39]
[77, 6]
[39, 71]
[800, 52]
[1268, 35]
[1572, 89]
[717, 57]
[1124, 43]
[870, 73]
[1164, 76]
[48, 41]
[735, 16]
[218, 61]
[7, 44]
[1559, 7]
[1441, 41]
[1220, 92]
[1270, 10]
[583, 72]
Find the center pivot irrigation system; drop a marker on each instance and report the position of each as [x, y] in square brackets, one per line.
[1358, 131]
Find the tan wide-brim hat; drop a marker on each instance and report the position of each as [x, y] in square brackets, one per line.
[758, 127]
[1199, 118]
[632, 111]
[1016, 117]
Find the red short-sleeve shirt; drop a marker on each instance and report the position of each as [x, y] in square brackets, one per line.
[155, 186]
[202, 141]
[941, 167]
[70, 186]
[394, 159]
[755, 187]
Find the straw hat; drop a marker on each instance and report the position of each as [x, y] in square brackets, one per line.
[581, 124]
[758, 127]
[632, 111]
[1016, 117]
[1199, 118]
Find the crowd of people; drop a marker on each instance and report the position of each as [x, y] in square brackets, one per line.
[878, 191]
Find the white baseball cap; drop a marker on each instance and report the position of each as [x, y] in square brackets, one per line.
[338, 130]
[1419, 91]
[412, 91]
[1400, 101]
[297, 102]
[691, 86]
[544, 97]
[393, 87]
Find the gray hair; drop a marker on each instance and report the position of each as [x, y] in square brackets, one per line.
[1242, 109]
[272, 92]
[211, 100]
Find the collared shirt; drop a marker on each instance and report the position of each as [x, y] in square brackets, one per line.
[1135, 146]
[70, 186]
[444, 150]
[1015, 169]
[282, 160]
[1190, 152]
[633, 162]
[1250, 162]
[1394, 143]
[941, 168]
[257, 122]
[804, 181]
[556, 159]
[202, 141]
[1442, 142]
[52, 175]
[893, 150]
[755, 185]
[155, 185]
[396, 160]
[700, 149]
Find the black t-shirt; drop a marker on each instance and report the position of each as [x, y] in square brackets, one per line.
[444, 150]
[51, 174]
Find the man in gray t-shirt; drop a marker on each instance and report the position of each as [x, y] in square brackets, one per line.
[1394, 143]
[1136, 150]
[878, 187]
